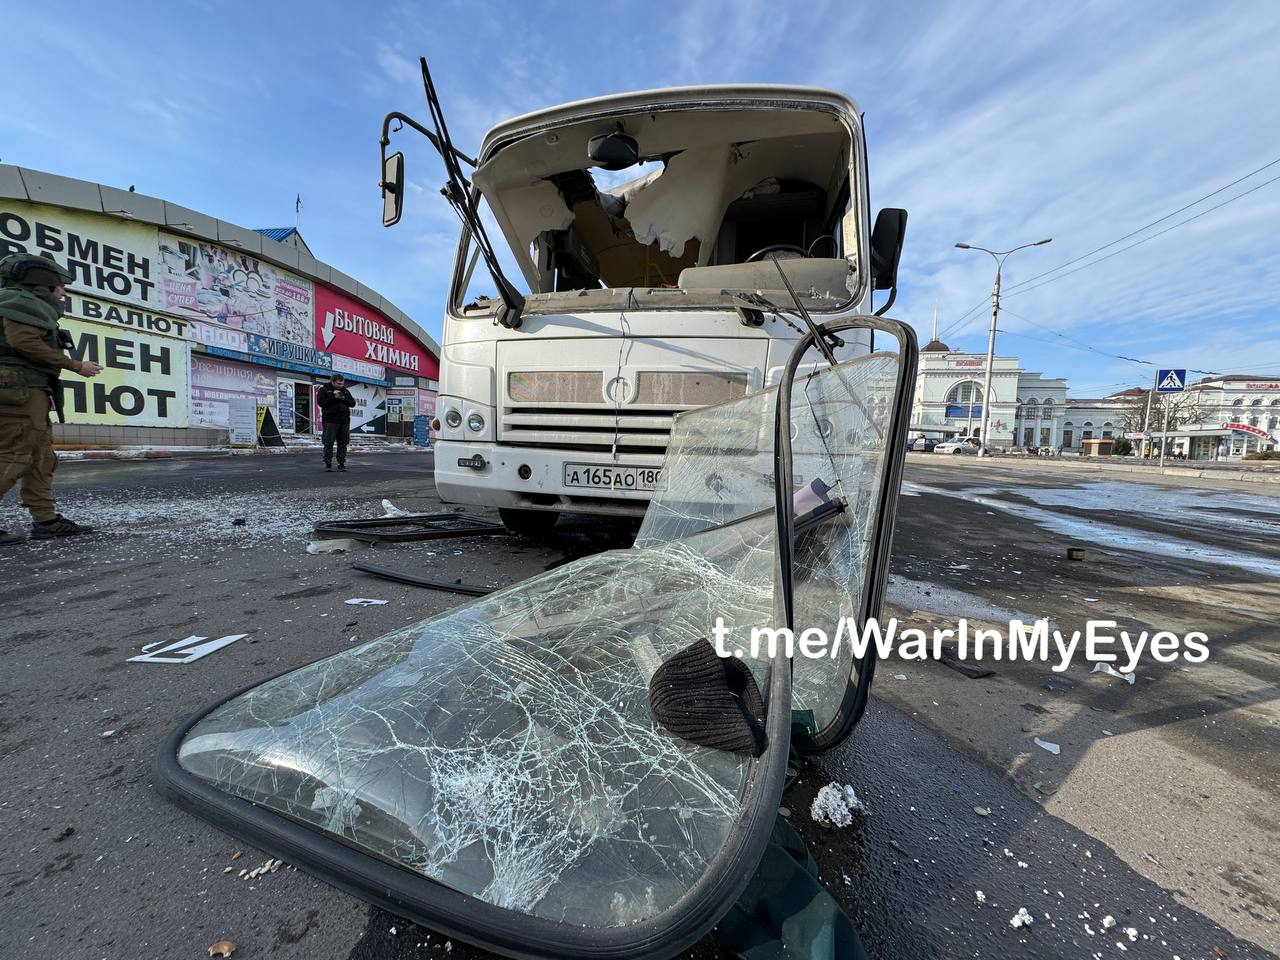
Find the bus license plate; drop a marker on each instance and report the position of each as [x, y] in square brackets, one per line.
[599, 477]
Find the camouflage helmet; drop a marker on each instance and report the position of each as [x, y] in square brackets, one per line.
[29, 270]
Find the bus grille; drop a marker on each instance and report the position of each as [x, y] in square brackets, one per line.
[568, 409]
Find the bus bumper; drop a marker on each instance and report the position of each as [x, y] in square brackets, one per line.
[493, 475]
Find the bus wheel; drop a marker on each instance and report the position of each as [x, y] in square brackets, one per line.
[528, 523]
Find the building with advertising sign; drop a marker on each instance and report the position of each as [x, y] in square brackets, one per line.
[186, 313]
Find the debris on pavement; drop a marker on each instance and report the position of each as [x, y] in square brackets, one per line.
[982, 811]
[959, 666]
[184, 651]
[980, 896]
[1108, 922]
[364, 602]
[223, 948]
[401, 576]
[407, 528]
[332, 546]
[1042, 744]
[1021, 919]
[389, 509]
[835, 805]
[1112, 671]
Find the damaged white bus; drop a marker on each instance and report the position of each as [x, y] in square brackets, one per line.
[671, 247]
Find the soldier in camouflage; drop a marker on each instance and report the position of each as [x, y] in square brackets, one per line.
[31, 359]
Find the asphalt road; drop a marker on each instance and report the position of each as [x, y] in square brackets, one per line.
[94, 864]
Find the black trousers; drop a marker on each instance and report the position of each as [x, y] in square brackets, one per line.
[338, 431]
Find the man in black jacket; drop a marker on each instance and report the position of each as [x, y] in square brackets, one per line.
[335, 402]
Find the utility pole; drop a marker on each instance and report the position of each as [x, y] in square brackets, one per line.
[1146, 420]
[999, 256]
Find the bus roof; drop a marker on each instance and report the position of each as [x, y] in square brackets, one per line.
[753, 95]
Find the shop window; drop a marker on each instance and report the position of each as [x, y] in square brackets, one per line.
[1026, 436]
[1045, 438]
[1067, 437]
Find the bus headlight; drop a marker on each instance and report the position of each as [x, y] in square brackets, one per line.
[475, 423]
[452, 419]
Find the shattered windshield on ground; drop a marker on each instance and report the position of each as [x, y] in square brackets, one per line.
[506, 749]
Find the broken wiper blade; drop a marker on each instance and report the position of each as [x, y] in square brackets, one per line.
[457, 190]
[754, 300]
[819, 337]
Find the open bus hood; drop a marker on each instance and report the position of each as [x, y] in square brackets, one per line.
[495, 772]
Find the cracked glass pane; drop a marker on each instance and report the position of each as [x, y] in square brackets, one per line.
[505, 749]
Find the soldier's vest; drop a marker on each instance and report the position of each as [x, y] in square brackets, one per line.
[24, 306]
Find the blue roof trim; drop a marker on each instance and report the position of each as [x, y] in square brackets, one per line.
[279, 234]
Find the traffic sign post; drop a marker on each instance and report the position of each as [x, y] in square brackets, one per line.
[1171, 380]
[1168, 380]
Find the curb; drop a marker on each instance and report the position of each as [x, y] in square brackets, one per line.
[210, 453]
[1033, 464]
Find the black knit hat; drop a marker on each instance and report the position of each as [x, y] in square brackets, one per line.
[707, 699]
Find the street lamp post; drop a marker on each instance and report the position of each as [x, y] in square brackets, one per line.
[999, 256]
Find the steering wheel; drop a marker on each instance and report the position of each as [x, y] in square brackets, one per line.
[776, 248]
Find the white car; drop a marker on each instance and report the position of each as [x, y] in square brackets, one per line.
[959, 445]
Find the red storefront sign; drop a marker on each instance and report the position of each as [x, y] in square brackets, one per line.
[1251, 430]
[350, 329]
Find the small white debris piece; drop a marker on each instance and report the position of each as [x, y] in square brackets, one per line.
[227, 869]
[1090, 599]
[1123, 948]
[1022, 864]
[835, 805]
[364, 602]
[1089, 930]
[1111, 671]
[1131, 933]
[899, 676]
[389, 509]
[1021, 919]
[981, 897]
[108, 733]
[1108, 922]
[392, 931]
[1042, 744]
[982, 811]
[1088, 854]
[448, 946]
[330, 546]
[1008, 853]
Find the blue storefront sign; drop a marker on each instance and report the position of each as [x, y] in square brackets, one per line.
[421, 431]
[290, 352]
[960, 411]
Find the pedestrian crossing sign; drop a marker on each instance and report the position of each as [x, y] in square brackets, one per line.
[1171, 381]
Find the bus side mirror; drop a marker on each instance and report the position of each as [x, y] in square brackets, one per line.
[393, 189]
[886, 247]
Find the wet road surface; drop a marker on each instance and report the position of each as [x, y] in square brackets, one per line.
[93, 863]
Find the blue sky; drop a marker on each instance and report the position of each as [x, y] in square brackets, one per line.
[994, 124]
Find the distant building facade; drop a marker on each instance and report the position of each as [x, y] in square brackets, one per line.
[1027, 409]
[1223, 417]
